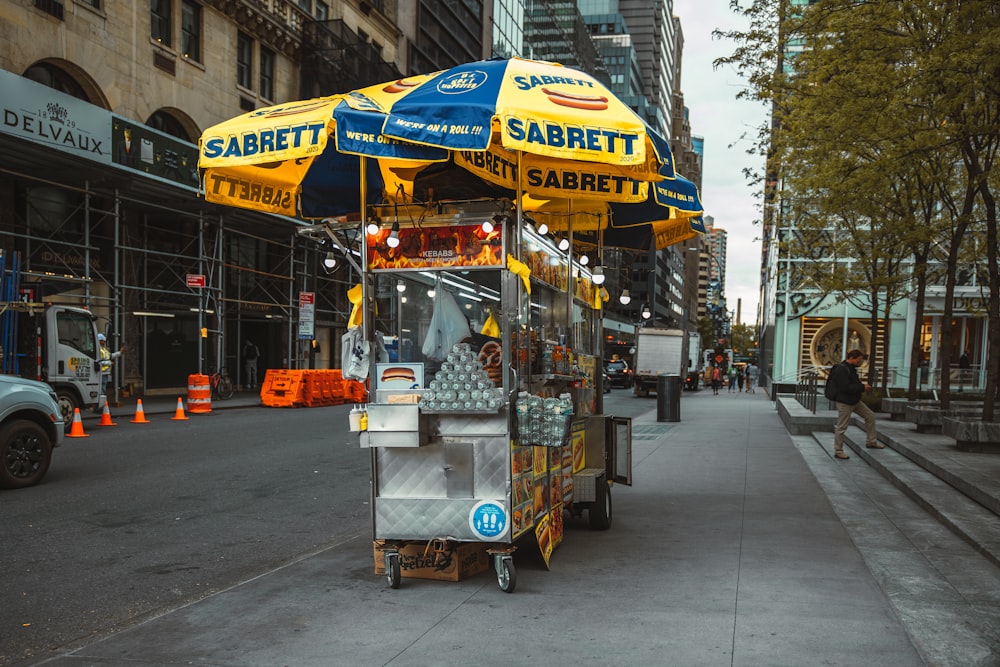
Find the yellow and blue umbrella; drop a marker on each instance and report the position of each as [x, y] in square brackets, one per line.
[516, 126]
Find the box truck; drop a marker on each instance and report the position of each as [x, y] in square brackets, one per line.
[658, 352]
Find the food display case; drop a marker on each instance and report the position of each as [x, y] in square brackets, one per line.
[487, 426]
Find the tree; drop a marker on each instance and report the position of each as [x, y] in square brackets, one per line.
[882, 141]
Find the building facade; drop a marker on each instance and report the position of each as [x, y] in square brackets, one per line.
[103, 103]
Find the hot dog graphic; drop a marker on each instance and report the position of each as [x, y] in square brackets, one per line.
[396, 374]
[399, 86]
[574, 101]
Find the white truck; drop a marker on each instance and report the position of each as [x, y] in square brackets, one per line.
[54, 344]
[658, 352]
[694, 368]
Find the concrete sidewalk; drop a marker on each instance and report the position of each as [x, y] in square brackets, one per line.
[725, 551]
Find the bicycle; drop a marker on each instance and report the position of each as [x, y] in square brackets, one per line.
[222, 386]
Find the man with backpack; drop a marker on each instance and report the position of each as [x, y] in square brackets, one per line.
[250, 354]
[844, 387]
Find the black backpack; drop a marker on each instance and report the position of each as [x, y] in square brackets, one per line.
[830, 390]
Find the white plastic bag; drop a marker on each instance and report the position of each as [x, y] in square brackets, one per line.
[354, 351]
[448, 326]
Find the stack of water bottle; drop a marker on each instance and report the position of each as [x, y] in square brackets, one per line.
[461, 385]
[543, 421]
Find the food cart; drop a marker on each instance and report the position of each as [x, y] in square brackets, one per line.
[485, 415]
[488, 438]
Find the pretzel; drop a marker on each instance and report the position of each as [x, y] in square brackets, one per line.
[491, 355]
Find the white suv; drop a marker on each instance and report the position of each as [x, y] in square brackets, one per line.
[31, 425]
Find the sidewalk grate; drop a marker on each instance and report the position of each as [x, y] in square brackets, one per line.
[649, 431]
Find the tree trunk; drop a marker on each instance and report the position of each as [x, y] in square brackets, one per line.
[920, 265]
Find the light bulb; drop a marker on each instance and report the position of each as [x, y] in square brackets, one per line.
[543, 229]
[487, 226]
[564, 244]
[372, 228]
[584, 260]
[598, 276]
[400, 286]
[330, 260]
[626, 298]
[645, 313]
[393, 240]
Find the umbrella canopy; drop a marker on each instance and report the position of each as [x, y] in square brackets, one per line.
[536, 107]
[510, 126]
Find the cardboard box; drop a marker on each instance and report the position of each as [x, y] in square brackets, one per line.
[403, 398]
[438, 559]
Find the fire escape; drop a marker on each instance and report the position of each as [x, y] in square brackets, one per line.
[336, 60]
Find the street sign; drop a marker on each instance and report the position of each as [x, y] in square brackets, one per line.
[195, 280]
[307, 315]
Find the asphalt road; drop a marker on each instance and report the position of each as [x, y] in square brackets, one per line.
[139, 519]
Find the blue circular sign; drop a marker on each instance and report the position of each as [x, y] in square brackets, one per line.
[461, 82]
[488, 520]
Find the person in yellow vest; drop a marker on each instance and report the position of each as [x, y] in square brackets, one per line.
[107, 361]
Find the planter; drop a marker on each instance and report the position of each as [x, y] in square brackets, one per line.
[972, 435]
[896, 407]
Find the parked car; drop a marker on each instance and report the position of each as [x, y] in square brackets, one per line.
[619, 374]
[31, 425]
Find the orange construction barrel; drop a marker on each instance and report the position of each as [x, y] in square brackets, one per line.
[199, 393]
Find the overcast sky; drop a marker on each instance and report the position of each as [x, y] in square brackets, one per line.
[721, 119]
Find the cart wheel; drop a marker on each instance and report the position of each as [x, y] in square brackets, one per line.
[599, 513]
[392, 569]
[506, 574]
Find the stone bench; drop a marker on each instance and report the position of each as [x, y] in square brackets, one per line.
[972, 435]
[896, 407]
[928, 417]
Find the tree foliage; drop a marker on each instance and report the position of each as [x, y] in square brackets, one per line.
[882, 142]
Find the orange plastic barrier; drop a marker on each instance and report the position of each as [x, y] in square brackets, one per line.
[310, 388]
[199, 394]
[282, 388]
[355, 392]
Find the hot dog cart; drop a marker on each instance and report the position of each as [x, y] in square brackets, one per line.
[478, 337]
[485, 422]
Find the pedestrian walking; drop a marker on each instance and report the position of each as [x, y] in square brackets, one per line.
[753, 375]
[846, 389]
[734, 376]
[716, 380]
[250, 356]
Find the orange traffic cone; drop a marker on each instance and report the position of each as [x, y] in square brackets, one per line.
[140, 416]
[76, 431]
[106, 417]
[179, 412]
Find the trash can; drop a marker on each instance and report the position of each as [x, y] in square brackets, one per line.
[668, 398]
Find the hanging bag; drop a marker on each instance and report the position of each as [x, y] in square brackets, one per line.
[448, 326]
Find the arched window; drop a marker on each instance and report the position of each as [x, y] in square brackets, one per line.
[53, 77]
[164, 122]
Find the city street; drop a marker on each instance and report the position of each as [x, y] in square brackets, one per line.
[138, 519]
[725, 551]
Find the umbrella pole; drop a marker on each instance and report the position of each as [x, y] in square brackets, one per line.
[366, 324]
[570, 342]
[518, 245]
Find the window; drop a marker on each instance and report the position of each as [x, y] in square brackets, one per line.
[191, 30]
[164, 122]
[159, 15]
[322, 10]
[266, 73]
[244, 60]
